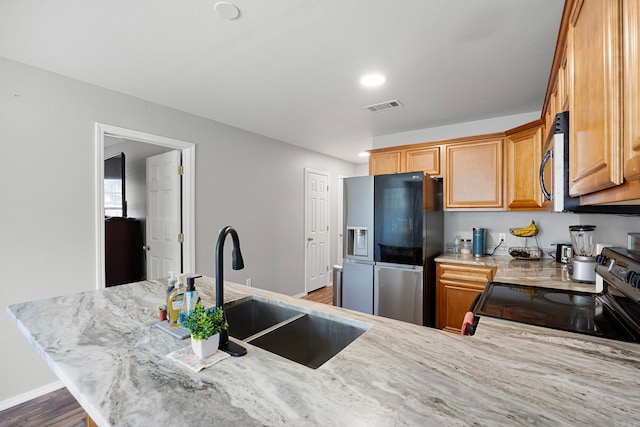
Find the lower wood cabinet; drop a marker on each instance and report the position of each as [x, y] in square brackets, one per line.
[456, 287]
[89, 422]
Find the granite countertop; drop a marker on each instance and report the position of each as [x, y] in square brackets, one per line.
[544, 272]
[104, 348]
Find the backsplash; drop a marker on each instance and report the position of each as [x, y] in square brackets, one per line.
[553, 227]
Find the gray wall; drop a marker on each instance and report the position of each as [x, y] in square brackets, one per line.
[47, 214]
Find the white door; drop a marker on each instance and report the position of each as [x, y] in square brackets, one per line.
[317, 229]
[164, 250]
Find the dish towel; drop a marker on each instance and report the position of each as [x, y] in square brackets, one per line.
[186, 357]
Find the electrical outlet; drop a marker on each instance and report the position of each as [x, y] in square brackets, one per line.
[249, 282]
[502, 237]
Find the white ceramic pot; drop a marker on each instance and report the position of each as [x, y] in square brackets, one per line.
[205, 348]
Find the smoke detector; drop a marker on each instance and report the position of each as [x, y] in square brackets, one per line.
[383, 106]
[227, 10]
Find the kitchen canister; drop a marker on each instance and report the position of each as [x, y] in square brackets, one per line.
[478, 241]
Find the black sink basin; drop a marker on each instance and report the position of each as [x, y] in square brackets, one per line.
[309, 340]
[248, 317]
[304, 338]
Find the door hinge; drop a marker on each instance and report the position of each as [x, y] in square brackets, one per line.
[327, 228]
[180, 170]
[180, 238]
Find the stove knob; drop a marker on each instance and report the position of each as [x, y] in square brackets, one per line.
[635, 281]
[630, 276]
[602, 259]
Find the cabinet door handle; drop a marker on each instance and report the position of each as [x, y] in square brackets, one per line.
[309, 239]
[146, 247]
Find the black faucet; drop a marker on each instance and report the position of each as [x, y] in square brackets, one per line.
[237, 263]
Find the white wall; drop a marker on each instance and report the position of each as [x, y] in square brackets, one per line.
[612, 229]
[47, 211]
[362, 169]
[479, 127]
[553, 227]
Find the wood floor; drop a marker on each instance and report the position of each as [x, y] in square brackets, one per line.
[55, 409]
[323, 295]
[60, 409]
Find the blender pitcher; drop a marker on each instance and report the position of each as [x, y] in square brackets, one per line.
[583, 240]
[583, 263]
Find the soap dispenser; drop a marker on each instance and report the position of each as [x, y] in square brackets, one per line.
[171, 286]
[175, 303]
[191, 298]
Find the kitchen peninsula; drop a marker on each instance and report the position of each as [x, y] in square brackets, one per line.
[103, 346]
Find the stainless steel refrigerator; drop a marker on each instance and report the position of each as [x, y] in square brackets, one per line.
[394, 232]
[357, 267]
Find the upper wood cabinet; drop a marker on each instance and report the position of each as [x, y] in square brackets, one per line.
[594, 52]
[563, 83]
[381, 163]
[423, 159]
[631, 78]
[523, 156]
[474, 174]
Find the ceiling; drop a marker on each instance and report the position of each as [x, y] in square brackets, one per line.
[290, 69]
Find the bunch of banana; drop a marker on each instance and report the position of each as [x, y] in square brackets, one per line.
[528, 231]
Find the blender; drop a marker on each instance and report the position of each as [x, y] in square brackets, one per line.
[582, 267]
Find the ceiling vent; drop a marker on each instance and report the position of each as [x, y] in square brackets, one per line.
[383, 106]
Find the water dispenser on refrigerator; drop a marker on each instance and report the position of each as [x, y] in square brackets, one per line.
[357, 241]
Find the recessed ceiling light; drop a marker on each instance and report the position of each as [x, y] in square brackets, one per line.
[372, 80]
[363, 154]
[227, 10]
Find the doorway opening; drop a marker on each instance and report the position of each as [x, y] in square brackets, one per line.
[106, 136]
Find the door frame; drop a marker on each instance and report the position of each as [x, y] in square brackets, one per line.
[188, 191]
[306, 219]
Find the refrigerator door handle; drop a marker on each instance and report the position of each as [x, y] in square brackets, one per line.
[399, 266]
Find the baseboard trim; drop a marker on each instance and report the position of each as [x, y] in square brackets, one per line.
[40, 391]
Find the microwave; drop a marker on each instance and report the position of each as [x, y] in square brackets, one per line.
[554, 174]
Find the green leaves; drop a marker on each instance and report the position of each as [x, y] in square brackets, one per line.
[205, 322]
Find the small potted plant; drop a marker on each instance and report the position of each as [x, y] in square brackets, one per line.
[205, 325]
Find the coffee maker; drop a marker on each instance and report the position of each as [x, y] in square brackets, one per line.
[582, 267]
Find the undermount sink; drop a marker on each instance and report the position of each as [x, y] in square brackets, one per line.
[305, 338]
[249, 317]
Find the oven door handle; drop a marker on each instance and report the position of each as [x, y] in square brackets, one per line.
[470, 321]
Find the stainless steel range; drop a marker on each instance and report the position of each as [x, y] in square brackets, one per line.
[613, 314]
